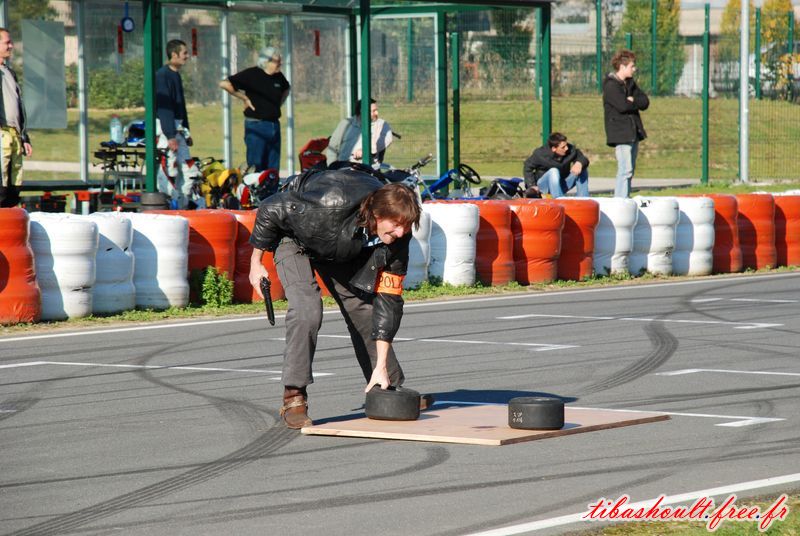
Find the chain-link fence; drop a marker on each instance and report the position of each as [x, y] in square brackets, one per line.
[500, 82]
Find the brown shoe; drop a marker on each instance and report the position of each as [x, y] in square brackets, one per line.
[425, 402]
[295, 408]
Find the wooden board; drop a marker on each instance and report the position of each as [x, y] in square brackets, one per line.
[478, 425]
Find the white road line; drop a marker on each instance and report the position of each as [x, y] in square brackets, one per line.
[156, 367]
[541, 347]
[670, 499]
[414, 305]
[28, 364]
[8, 411]
[736, 325]
[740, 421]
[753, 300]
[723, 371]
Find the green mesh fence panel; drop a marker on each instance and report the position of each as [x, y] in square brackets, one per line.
[403, 83]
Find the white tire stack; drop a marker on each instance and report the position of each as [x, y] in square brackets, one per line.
[694, 238]
[454, 227]
[654, 235]
[64, 248]
[161, 250]
[613, 237]
[113, 290]
[419, 253]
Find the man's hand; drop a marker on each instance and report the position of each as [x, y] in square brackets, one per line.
[630, 99]
[357, 154]
[27, 148]
[380, 376]
[172, 143]
[248, 103]
[576, 168]
[257, 270]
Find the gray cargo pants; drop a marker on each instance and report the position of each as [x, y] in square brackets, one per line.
[304, 315]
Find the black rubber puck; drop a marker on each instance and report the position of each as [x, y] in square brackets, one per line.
[536, 413]
[392, 404]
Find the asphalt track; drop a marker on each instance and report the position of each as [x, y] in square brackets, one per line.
[173, 429]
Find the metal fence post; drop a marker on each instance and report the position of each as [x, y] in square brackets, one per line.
[758, 53]
[455, 48]
[629, 41]
[366, 82]
[706, 89]
[599, 38]
[441, 91]
[547, 103]
[410, 72]
[150, 34]
[791, 55]
[653, 44]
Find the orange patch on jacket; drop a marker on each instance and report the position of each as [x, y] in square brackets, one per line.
[390, 284]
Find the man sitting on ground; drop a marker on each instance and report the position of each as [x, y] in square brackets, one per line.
[556, 168]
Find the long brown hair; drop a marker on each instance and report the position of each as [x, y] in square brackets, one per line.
[395, 202]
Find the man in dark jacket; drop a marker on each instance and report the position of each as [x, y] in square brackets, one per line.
[556, 168]
[355, 233]
[172, 125]
[622, 102]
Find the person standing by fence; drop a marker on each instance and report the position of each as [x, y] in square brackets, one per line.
[622, 102]
[13, 135]
[263, 90]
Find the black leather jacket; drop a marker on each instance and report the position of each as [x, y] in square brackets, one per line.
[318, 210]
[622, 120]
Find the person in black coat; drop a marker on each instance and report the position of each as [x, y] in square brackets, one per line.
[622, 102]
[556, 168]
[354, 232]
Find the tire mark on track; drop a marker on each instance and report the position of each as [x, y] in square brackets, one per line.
[266, 443]
[664, 344]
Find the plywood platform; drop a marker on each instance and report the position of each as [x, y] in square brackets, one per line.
[478, 425]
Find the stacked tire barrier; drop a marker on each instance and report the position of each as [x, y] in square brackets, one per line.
[494, 243]
[654, 235]
[243, 291]
[613, 238]
[212, 239]
[694, 239]
[727, 250]
[757, 230]
[787, 229]
[536, 226]
[454, 227]
[64, 248]
[419, 253]
[160, 249]
[20, 297]
[59, 266]
[581, 217]
[113, 290]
